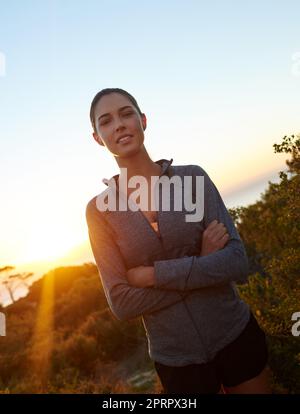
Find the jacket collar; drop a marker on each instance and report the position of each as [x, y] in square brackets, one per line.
[165, 164]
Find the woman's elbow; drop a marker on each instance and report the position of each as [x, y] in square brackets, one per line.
[119, 306]
[119, 314]
[117, 310]
[242, 267]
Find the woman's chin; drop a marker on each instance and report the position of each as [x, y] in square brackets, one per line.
[129, 151]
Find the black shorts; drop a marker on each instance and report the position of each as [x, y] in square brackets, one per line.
[241, 360]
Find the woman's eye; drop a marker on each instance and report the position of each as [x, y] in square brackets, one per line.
[125, 114]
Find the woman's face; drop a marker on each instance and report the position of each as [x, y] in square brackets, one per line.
[116, 116]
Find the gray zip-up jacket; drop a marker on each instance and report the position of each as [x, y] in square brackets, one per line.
[194, 309]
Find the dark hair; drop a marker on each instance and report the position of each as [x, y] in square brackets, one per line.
[107, 91]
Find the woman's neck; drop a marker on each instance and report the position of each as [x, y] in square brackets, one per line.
[139, 164]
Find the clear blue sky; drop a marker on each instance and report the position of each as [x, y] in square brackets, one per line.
[214, 78]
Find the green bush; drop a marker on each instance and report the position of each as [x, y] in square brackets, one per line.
[270, 229]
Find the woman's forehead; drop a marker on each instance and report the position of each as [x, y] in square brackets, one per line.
[112, 102]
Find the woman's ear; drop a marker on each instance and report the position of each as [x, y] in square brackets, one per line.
[98, 139]
[144, 121]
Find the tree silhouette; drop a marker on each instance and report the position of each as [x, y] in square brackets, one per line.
[12, 281]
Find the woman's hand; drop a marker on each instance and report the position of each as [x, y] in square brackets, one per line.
[141, 276]
[214, 238]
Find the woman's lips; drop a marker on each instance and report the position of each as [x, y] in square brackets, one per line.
[124, 140]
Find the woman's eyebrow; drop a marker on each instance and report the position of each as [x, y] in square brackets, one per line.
[123, 107]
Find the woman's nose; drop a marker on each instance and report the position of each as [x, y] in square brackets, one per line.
[119, 123]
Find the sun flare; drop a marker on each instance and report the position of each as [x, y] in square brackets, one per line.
[47, 243]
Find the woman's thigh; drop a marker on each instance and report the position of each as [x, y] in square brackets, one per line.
[257, 385]
[242, 364]
[189, 379]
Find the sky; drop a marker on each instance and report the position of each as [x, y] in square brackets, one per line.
[219, 82]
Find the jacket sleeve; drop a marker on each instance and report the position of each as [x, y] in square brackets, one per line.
[125, 301]
[224, 266]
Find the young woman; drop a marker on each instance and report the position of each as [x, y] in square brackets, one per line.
[177, 274]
